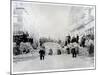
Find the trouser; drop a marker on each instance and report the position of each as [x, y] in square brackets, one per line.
[41, 57]
[68, 51]
[74, 55]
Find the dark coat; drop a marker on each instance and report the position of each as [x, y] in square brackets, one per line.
[42, 52]
[73, 50]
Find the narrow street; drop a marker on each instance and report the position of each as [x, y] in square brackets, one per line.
[63, 61]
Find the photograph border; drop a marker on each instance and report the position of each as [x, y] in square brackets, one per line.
[51, 71]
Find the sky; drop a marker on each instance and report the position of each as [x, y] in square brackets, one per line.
[51, 20]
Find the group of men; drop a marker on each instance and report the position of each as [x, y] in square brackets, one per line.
[42, 52]
[68, 41]
[74, 44]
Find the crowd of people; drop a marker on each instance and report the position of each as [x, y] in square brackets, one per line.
[73, 45]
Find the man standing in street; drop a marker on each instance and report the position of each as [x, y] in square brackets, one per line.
[42, 53]
[74, 50]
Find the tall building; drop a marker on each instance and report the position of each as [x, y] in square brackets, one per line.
[86, 25]
[18, 17]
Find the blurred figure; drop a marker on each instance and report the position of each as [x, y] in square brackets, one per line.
[58, 52]
[74, 50]
[50, 52]
[42, 53]
[83, 41]
[91, 49]
[90, 46]
[66, 41]
[73, 39]
[68, 50]
[69, 38]
[77, 39]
